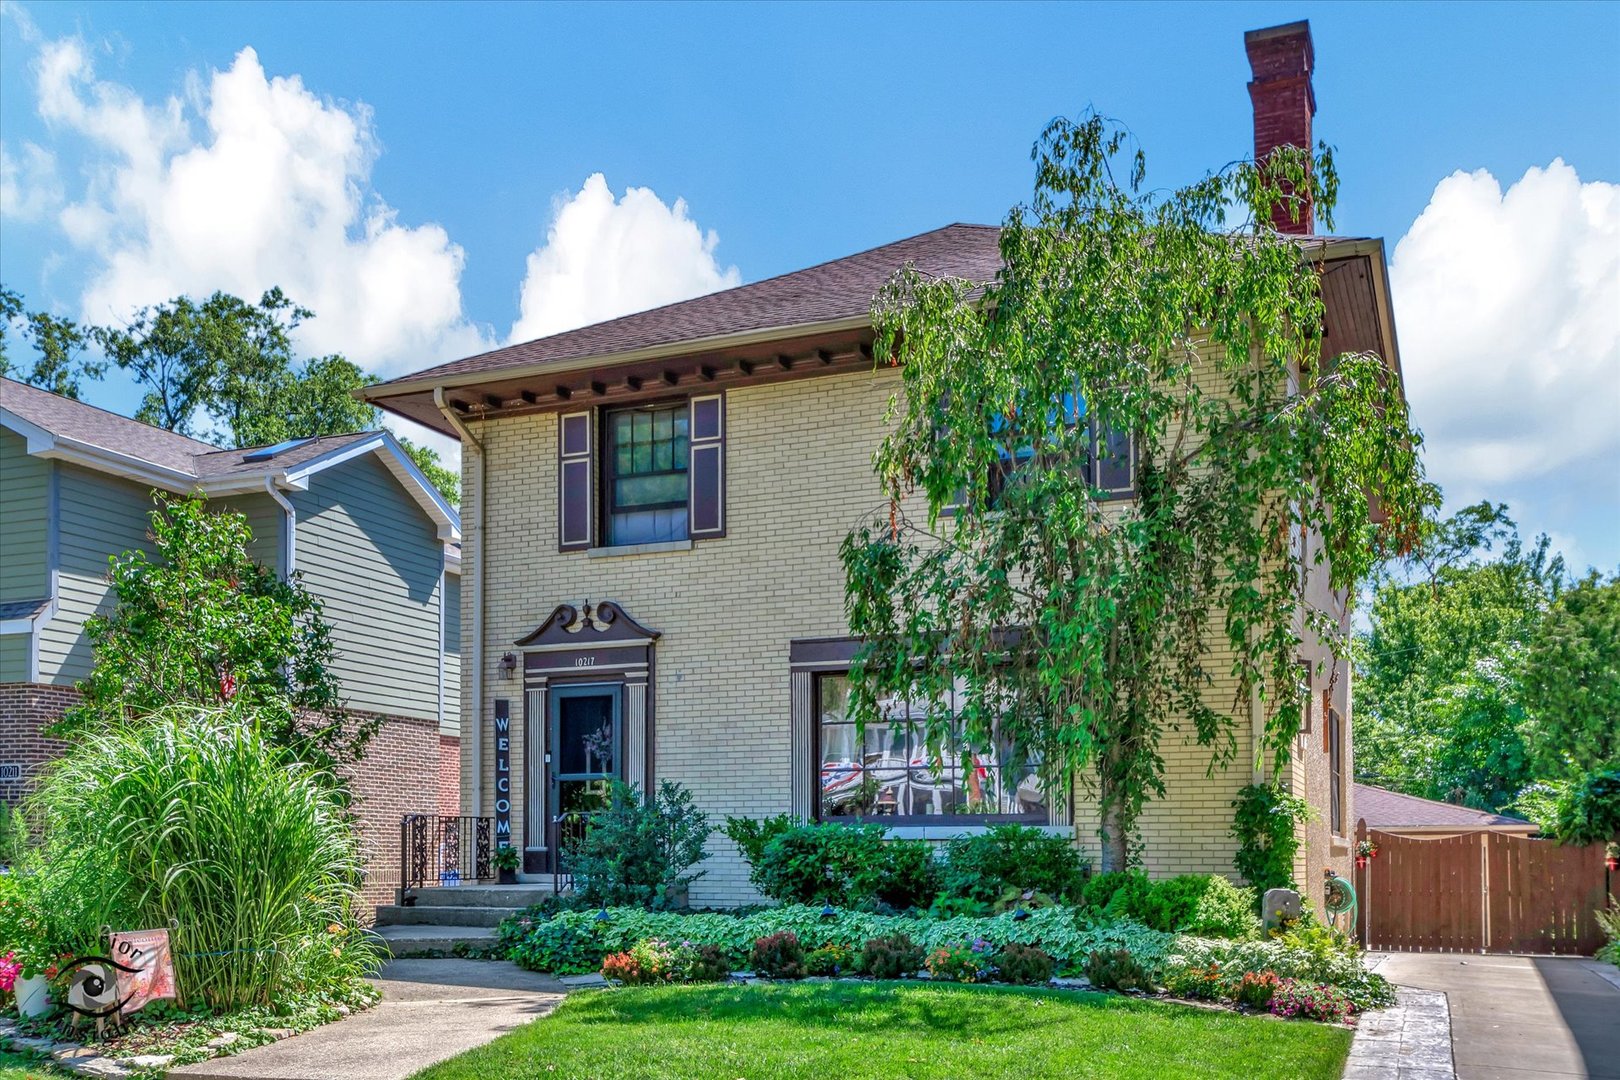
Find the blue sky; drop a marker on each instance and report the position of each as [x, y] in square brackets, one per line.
[457, 139]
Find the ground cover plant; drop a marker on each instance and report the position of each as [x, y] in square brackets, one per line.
[877, 1031]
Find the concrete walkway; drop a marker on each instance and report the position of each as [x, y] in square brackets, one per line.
[431, 1010]
[1520, 1017]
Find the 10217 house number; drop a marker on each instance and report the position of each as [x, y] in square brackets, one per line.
[584, 661]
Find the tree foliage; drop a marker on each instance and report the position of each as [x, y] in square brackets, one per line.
[1572, 680]
[1439, 706]
[60, 364]
[1077, 632]
[200, 623]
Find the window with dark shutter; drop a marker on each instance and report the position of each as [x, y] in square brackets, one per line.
[707, 471]
[1335, 728]
[576, 512]
[1114, 455]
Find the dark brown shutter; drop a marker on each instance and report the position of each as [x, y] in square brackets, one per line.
[1115, 457]
[576, 504]
[706, 467]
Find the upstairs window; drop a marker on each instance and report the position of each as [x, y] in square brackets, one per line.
[645, 476]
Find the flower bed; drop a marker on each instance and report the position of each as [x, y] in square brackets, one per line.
[1306, 973]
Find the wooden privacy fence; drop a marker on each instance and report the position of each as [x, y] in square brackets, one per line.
[1480, 892]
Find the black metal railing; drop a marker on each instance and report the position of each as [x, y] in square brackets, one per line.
[566, 832]
[443, 850]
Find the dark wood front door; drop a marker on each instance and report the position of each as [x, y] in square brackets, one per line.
[587, 737]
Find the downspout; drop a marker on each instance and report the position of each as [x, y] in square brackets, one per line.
[289, 546]
[476, 717]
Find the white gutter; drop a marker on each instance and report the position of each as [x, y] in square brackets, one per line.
[289, 546]
[476, 713]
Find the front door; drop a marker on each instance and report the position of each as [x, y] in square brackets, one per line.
[586, 735]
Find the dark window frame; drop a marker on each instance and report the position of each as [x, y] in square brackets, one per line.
[607, 471]
[891, 820]
[1335, 739]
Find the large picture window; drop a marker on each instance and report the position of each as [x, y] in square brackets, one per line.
[645, 479]
[888, 773]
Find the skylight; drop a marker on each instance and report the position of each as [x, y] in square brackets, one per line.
[271, 451]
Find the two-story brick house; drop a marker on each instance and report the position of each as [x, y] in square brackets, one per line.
[653, 511]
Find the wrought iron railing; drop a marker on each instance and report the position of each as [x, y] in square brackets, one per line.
[443, 850]
[566, 832]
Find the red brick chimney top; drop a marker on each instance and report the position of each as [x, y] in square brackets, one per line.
[1281, 58]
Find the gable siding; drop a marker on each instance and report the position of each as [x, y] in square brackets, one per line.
[14, 657]
[99, 516]
[450, 722]
[24, 521]
[266, 518]
[371, 555]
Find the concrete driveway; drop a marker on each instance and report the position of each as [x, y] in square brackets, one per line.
[1520, 1017]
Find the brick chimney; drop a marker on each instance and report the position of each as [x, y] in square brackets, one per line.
[1284, 103]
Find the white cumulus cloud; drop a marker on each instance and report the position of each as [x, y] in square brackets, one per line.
[604, 257]
[29, 186]
[251, 181]
[1508, 308]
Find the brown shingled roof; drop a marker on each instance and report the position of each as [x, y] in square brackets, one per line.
[1381, 808]
[838, 289]
[84, 423]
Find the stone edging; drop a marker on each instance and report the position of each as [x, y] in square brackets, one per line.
[1410, 1040]
[76, 1058]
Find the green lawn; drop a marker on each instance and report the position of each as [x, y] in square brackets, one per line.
[888, 1031]
[18, 1067]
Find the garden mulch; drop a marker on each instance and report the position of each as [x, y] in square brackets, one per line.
[430, 1010]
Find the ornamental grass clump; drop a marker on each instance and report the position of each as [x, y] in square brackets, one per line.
[192, 820]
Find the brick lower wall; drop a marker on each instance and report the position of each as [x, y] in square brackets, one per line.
[24, 709]
[449, 775]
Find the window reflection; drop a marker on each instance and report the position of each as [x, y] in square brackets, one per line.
[889, 772]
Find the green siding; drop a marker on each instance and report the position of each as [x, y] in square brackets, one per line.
[14, 657]
[371, 555]
[99, 516]
[25, 485]
[450, 723]
[266, 518]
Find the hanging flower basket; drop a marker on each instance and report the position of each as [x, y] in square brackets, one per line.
[1366, 849]
[1361, 862]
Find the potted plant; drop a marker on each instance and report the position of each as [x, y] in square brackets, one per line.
[31, 969]
[1365, 849]
[506, 861]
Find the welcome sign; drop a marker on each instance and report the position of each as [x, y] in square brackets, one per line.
[503, 772]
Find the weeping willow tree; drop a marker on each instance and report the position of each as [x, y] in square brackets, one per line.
[1133, 338]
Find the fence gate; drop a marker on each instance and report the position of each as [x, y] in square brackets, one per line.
[1480, 892]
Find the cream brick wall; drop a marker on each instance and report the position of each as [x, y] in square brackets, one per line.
[799, 475]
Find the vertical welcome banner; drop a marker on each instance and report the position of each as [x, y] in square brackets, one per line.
[145, 968]
[503, 772]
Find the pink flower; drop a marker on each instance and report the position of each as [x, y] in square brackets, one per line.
[9, 970]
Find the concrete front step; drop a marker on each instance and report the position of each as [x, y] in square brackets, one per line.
[500, 896]
[434, 940]
[441, 915]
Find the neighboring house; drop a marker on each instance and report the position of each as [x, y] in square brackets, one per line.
[351, 515]
[1407, 815]
[654, 507]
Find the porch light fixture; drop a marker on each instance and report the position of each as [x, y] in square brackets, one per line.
[508, 665]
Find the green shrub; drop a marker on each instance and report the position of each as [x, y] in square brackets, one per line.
[1200, 983]
[560, 946]
[640, 851]
[845, 865]
[191, 820]
[946, 906]
[701, 963]
[1203, 904]
[752, 834]
[643, 964]
[1609, 919]
[962, 961]
[1119, 894]
[1011, 857]
[13, 835]
[832, 958]
[1266, 826]
[1025, 965]
[892, 956]
[778, 956]
[1117, 969]
[1256, 989]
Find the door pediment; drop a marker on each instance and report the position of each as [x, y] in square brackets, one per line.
[586, 627]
